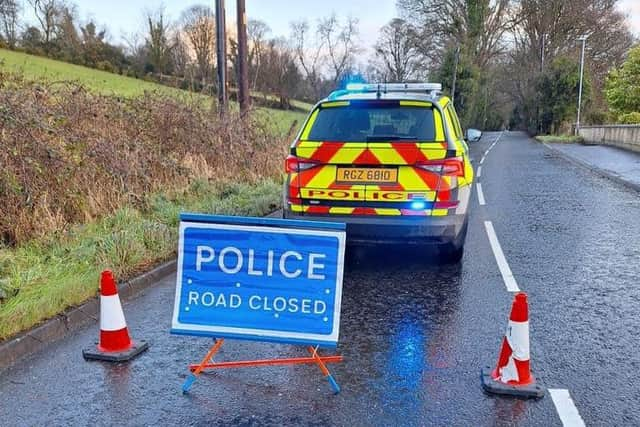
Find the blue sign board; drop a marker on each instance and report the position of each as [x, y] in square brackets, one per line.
[259, 278]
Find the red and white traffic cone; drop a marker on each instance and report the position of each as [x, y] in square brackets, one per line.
[115, 344]
[512, 374]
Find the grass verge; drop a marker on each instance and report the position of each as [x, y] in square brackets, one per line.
[39, 68]
[561, 139]
[52, 72]
[43, 277]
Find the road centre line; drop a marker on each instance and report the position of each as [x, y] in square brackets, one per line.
[567, 410]
[492, 145]
[479, 172]
[482, 159]
[503, 265]
[480, 194]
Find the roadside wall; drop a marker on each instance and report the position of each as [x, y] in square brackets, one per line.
[623, 136]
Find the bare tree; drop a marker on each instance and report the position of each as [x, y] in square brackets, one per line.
[135, 48]
[46, 13]
[479, 25]
[397, 51]
[198, 24]
[308, 50]
[68, 44]
[549, 28]
[180, 57]
[9, 15]
[158, 42]
[341, 43]
[329, 49]
[257, 31]
[281, 75]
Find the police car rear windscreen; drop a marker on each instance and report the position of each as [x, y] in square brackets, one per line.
[369, 123]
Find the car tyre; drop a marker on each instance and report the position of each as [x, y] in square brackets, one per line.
[452, 253]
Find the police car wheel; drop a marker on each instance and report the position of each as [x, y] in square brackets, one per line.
[452, 254]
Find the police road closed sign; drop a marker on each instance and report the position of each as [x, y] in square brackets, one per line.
[259, 278]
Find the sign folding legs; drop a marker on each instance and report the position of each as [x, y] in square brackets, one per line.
[199, 368]
[332, 382]
[314, 358]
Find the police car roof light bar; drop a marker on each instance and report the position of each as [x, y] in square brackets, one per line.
[394, 87]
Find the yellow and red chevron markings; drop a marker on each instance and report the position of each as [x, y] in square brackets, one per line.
[320, 182]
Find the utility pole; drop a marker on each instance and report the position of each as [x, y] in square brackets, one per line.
[243, 73]
[221, 50]
[455, 75]
[583, 39]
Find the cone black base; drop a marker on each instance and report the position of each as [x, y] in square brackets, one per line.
[93, 353]
[490, 385]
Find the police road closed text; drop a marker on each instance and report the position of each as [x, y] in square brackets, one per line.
[231, 260]
[278, 283]
[257, 302]
[289, 264]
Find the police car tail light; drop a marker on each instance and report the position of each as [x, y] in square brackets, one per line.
[446, 204]
[453, 166]
[296, 164]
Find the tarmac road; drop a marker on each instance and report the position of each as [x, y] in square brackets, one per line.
[414, 334]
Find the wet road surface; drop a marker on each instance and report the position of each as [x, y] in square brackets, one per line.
[414, 334]
[622, 164]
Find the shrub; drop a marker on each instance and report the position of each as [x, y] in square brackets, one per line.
[632, 118]
[69, 156]
[106, 66]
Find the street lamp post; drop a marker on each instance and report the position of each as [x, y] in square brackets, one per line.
[583, 39]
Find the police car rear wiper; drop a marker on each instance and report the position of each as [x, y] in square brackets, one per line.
[391, 138]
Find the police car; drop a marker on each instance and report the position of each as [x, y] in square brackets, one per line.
[390, 161]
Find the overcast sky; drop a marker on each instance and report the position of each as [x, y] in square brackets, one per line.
[632, 8]
[123, 17]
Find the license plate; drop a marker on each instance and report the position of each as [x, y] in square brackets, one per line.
[367, 175]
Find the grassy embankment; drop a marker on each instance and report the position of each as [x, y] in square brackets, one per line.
[94, 173]
[51, 71]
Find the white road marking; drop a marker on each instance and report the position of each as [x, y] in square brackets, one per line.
[567, 410]
[480, 194]
[482, 159]
[503, 265]
[479, 172]
[492, 145]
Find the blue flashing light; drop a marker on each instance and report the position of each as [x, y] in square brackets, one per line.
[418, 204]
[354, 87]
